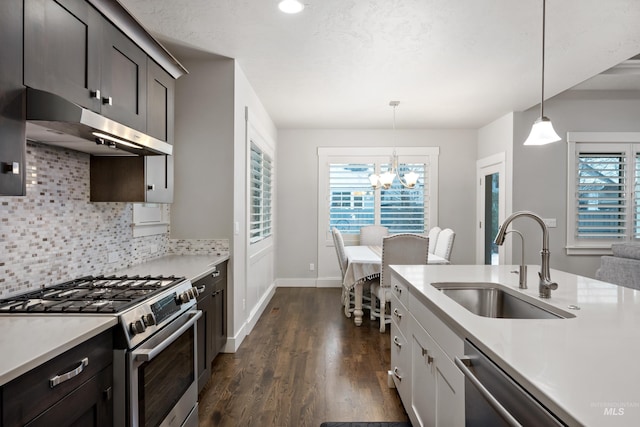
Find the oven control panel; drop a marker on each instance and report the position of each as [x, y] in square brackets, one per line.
[142, 321]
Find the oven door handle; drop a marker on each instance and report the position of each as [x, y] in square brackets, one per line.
[506, 416]
[147, 355]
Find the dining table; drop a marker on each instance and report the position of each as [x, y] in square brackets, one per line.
[364, 263]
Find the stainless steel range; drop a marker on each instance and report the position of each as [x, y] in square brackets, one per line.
[155, 351]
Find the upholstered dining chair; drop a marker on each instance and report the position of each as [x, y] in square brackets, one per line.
[338, 242]
[348, 296]
[444, 246]
[371, 235]
[401, 249]
[433, 238]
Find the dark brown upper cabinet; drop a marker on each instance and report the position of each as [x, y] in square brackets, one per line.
[71, 50]
[160, 102]
[12, 101]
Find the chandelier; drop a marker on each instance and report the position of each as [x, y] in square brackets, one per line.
[385, 180]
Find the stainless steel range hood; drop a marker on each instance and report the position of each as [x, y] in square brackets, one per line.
[54, 120]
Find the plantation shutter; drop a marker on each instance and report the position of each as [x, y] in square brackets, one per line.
[354, 203]
[351, 203]
[403, 210]
[261, 169]
[602, 196]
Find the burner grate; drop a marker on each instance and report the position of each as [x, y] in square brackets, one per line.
[110, 294]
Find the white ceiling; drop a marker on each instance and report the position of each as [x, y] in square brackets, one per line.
[450, 63]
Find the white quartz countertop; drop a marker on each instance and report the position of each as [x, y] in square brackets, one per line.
[28, 341]
[193, 267]
[585, 369]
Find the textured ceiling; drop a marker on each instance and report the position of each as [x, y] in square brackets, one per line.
[450, 63]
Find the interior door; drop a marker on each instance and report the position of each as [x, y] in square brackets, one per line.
[491, 209]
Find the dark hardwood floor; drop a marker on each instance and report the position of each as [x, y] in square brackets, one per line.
[303, 364]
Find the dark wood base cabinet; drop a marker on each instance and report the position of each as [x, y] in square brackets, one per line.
[212, 326]
[34, 399]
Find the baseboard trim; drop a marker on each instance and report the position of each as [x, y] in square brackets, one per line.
[234, 343]
[308, 283]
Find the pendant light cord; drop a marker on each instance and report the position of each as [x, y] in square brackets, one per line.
[543, 31]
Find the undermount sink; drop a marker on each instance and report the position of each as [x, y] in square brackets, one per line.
[497, 301]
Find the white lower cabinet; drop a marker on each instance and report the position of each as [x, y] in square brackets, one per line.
[430, 386]
[401, 353]
[437, 385]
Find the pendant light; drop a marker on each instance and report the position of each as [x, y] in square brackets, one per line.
[290, 6]
[542, 131]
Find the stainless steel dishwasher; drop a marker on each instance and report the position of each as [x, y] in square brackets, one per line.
[493, 398]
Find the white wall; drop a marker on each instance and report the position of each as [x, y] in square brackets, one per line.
[540, 173]
[496, 138]
[297, 190]
[202, 208]
[211, 178]
[254, 266]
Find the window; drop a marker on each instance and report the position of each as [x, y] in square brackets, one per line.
[353, 203]
[261, 170]
[603, 188]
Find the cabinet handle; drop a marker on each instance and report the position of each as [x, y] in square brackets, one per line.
[397, 342]
[12, 168]
[95, 94]
[201, 289]
[397, 313]
[215, 274]
[397, 288]
[396, 374]
[107, 100]
[59, 379]
[425, 352]
[108, 393]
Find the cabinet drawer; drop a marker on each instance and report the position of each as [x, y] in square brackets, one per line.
[401, 362]
[399, 289]
[204, 286]
[220, 276]
[399, 314]
[30, 394]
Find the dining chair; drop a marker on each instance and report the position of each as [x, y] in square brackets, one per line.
[444, 245]
[348, 295]
[372, 235]
[433, 238]
[402, 249]
[338, 242]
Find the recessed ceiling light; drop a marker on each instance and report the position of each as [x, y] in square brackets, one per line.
[290, 6]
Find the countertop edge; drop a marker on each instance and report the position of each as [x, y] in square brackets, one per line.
[45, 356]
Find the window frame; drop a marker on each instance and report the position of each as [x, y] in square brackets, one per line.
[381, 155]
[612, 143]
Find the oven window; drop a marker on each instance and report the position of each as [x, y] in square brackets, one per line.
[165, 379]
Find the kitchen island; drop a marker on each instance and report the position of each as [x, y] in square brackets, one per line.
[582, 368]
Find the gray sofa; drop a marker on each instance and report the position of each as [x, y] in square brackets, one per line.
[623, 268]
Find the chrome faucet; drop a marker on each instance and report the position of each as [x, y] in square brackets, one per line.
[546, 285]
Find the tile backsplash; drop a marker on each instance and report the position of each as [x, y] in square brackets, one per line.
[54, 233]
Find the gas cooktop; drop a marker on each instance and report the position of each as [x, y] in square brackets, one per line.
[112, 294]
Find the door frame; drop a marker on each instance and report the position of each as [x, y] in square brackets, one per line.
[487, 166]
